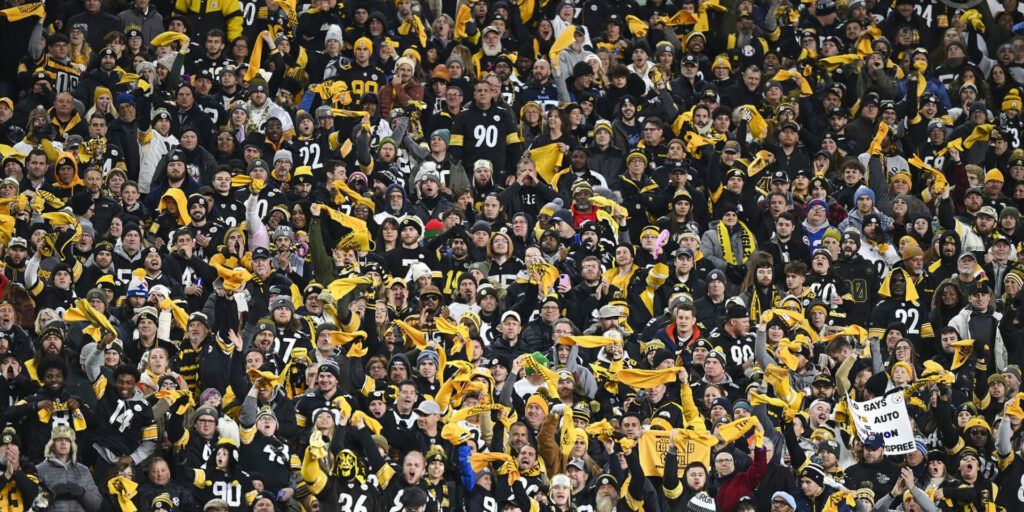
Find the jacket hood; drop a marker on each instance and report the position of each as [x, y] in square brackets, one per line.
[66, 158]
[239, 229]
[178, 197]
[405, 199]
[910, 295]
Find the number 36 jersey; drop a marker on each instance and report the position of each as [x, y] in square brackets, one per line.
[348, 496]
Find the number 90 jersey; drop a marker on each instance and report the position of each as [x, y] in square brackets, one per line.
[485, 134]
[362, 79]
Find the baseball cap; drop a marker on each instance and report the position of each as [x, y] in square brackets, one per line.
[427, 407]
[874, 441]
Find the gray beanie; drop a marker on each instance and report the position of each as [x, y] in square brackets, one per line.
[283, 154]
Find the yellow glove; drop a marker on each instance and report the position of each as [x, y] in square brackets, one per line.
[317, 445]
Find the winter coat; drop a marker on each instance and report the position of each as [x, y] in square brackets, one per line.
[56, 476]
[962, 323]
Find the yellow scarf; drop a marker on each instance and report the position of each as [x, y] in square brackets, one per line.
[479, 461]
[124, 489]
[267, 380]
[940, 179]
[964, 348]
[464, 16]
[876, 143]
[255, 58]
[734, 430]
[83, 312]
[645, 379]
[345, 220]
[255, 184]
[726, 241]
[78, 419]
[564, 40]
[418, 337]
[588, 341]
[550, 376]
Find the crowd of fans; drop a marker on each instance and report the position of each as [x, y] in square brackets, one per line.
[510, 255]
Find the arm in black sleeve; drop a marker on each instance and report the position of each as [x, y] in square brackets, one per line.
[636, 484]
[741, 131]
[528, 302]
[15, 413]
[29, 488]
[522, 499]
[145, 110]
[797, 457]
[944, 415]
[498, 437]
[670, 482]
[946, 219]
[435, 243]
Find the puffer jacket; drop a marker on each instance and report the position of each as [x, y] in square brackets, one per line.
[55, 475]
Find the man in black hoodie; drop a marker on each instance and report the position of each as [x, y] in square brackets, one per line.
[944, 267]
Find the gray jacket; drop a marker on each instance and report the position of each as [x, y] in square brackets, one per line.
[56, 476]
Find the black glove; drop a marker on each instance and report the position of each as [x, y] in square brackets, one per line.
[735, 273]
[74, 490]
[44, 132]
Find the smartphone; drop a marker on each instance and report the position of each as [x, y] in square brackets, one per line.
[563, 280]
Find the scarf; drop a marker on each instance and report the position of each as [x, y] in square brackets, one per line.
[77, 418]
[646, 379]
[609, 376]
[756, 307]
[124, 490]
[725, 240]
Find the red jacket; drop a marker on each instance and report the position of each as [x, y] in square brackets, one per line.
[742, 484]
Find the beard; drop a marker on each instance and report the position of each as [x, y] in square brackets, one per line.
[491, 50]
[605, 503]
